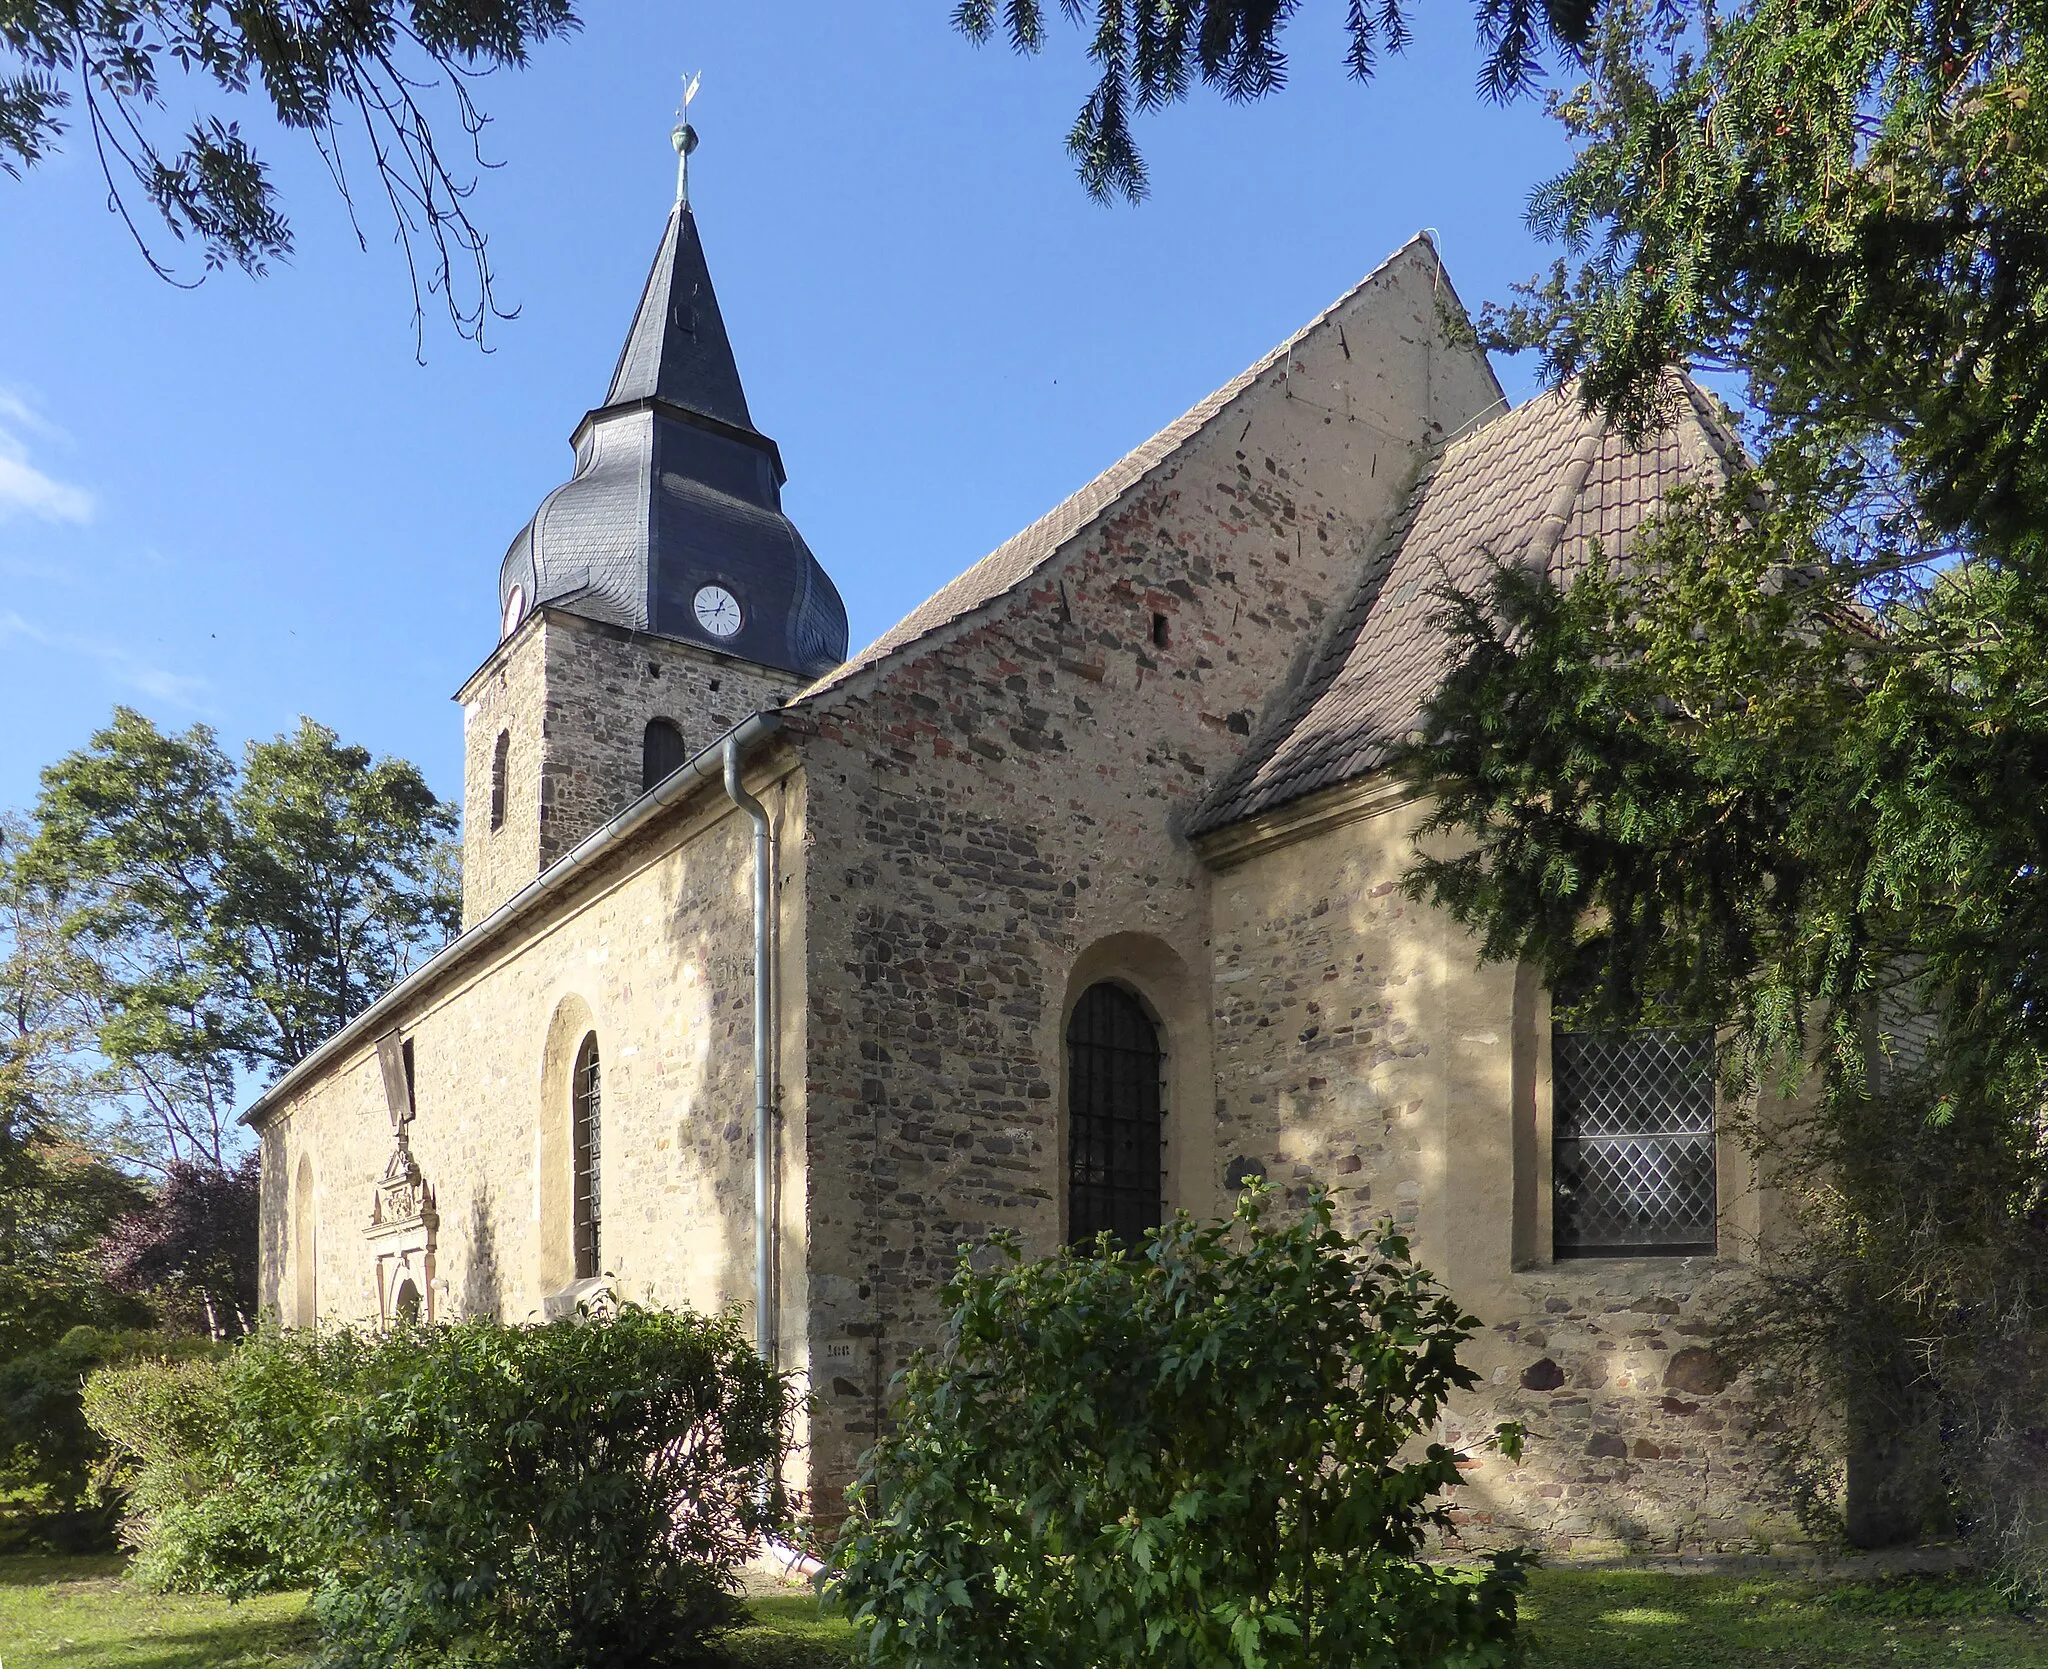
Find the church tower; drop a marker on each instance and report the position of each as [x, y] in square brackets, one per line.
[656, 598]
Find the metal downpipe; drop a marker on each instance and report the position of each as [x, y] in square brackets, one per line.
[764, 1053]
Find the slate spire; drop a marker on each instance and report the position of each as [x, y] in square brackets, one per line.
[677, 350]
[672, 522]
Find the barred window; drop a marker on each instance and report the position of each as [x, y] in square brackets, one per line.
[661, 751]
[587, 1197]
[1113, 1117]
[1633, 1171]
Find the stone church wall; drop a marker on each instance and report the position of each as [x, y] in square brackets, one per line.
[653, 951]
[574, 697]
[993, 826]
[1362, 1047]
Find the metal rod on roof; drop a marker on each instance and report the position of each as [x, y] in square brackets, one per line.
[684, 138]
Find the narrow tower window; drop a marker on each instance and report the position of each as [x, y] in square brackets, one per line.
[501, 753]
[661, 751]
[1633, 1116]
[305, 1248]
[587, 1198]
[1113, 1113]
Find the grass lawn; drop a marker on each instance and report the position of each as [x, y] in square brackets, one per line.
[1586, 1619]
[80, 1614]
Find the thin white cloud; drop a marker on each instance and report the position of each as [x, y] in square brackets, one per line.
[26, 490]
[122, 665]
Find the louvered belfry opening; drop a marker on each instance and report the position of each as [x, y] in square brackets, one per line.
[586, 1100]
[661, 751]
[1633, 1171]
[1113, 1117]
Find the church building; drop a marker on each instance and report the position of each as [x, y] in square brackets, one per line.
[1069, 903]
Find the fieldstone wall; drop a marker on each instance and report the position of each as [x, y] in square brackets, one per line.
[505, 696]
[653, 951]
[1362, 1047]
[575, 696]
[994, 818]
[1640, 1440]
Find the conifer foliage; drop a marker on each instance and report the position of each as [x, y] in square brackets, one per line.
[362, 78]
[1722, 787]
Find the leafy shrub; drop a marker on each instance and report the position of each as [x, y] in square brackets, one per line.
[220, 1458]
[578, 1493]
[1188, 1456]
[52, 1494]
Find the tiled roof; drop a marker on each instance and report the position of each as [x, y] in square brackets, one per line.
[1023, 554]
[1541, 483]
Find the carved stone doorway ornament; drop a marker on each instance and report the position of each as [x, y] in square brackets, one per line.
[403, 1221]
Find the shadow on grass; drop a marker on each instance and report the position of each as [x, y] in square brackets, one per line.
[260, 1641]
[1643, 1620]
[789, 1631]
[39, 1570]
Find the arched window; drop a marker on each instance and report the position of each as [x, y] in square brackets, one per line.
[586, 1196]
[661, 751]
[501, 753]
[1113, 1117]
[305, 1248]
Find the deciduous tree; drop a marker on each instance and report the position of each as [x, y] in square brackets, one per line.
[222, 921]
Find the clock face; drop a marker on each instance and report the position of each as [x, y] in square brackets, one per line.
[718, 611]
[515, 609]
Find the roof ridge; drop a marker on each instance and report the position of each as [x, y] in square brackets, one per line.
[1044, 538]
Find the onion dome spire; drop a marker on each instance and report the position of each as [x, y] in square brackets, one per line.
[672, 521]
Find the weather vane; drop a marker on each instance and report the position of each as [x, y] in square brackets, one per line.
[685, 139]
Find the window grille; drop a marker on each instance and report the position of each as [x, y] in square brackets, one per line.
[587, 1196]
[1633, 1170]
[1113, 1127]
[661, 751]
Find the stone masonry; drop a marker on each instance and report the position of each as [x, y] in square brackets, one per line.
[574, 697]
[1363, 1049]
[993, 818]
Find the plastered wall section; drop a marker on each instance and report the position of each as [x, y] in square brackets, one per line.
[654, 953]
[574, 697]
[994, 826]
[1362, 1048]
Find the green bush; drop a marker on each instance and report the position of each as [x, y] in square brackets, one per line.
[554, 1497]
[52, 1492]
[222, 1460]
[1191, 1457]
[578, 1493]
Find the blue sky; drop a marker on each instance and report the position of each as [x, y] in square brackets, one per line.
[250, 501]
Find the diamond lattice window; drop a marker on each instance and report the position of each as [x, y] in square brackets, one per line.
[1634, 1166]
